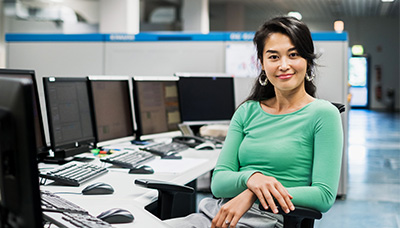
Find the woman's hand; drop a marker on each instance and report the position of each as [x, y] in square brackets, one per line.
[267, 188]
[233, 210]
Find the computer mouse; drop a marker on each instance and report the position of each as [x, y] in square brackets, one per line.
[98, 189]
[142, 169]
[205, 146]
[116, 215]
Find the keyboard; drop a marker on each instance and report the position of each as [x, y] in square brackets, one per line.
[129, 159]
[74, 173]
[165, 149]
[51, 201]
[64, 213]
[84, 221]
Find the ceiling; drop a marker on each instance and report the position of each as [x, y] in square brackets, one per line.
[314, 9]
[310, 9]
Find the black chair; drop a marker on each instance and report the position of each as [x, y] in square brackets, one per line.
[301, 217]
[166, 194]
[340, 107]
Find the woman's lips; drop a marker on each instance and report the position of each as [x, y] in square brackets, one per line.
[285, 76]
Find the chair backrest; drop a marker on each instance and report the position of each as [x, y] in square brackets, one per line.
[340, 107]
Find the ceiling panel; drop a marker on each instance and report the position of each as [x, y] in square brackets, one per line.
[314, 9]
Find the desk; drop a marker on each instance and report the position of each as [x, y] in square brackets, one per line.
[129, 196]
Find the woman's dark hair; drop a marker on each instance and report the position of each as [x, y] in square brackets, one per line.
[300, 36]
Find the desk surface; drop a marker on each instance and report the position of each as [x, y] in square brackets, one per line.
[134, 198]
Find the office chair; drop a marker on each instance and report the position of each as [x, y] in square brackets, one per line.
[301, 217]
[166, 195]
[167, 191]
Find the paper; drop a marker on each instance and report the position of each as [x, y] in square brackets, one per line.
[175, 166]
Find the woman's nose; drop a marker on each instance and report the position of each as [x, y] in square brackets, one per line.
[284, 64]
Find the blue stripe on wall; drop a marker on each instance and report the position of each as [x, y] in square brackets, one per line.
[157, 36]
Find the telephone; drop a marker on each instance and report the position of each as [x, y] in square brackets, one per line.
[194, 142]
[191, 141]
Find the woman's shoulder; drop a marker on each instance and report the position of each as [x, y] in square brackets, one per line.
[322, 106]
[249, 104]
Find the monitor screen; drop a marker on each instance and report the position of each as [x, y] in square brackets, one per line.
[206, 99]
[19, 183]
[39, 131]
[112, 108]
[156, 105]
[69, 115]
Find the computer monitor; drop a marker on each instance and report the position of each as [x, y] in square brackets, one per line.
[42, 149]
[156, 105]
[19, 182]
[70, 116]
[112, 106]
[205, 99]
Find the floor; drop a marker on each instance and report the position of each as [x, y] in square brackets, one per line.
[373, 197]
[373, 191]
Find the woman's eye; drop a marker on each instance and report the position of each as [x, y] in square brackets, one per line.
[273, 57]
[294, 54]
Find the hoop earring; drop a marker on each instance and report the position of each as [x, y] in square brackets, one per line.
[309, 77]
[261, 81]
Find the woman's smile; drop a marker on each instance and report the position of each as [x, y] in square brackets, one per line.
[285, 76]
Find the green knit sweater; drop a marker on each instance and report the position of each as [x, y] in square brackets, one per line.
[302, 150]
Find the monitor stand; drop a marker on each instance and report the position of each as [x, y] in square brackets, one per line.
[63, 156]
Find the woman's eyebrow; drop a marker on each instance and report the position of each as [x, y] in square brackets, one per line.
[274, 51]
[271, 51]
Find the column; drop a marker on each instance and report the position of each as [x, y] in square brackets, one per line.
[234, 16]
[2, 36]
[119, 16]
[195, 16]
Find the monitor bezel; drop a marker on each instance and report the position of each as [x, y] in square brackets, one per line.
[139, 130]
[43, 150]
[206, 75]
[93, 78]
[88, 142]
[20, 193]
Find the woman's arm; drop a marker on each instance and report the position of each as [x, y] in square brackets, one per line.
[328, 146]
[227, 181]
[234, 209]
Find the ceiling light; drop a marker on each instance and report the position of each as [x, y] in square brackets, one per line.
[357, 50]
[338, 26]
[387, 0]
[295, 14]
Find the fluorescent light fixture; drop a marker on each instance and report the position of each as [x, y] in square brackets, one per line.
[387, 0]
[357, 50]
[338, 26]
[295, 15]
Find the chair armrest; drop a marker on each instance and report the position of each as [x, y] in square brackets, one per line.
[302, 212]
[163, 186]
[166, 194]
[300, 217]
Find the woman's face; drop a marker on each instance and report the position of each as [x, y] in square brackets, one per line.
[284, 67]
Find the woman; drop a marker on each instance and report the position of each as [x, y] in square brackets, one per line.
[283, 147]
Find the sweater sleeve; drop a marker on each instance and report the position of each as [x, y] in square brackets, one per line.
[328, 145]
[227, 181]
